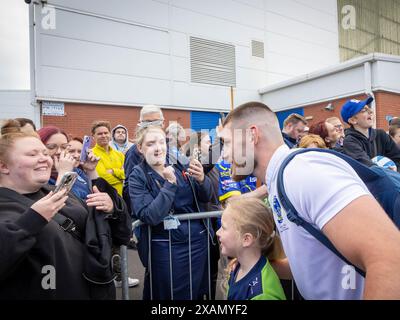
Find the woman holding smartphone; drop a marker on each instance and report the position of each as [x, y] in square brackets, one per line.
[158, 191]
[86, 170]
[65, 155]
[53, 245]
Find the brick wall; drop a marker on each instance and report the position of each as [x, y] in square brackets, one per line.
[318, 112]
[387, 103]
[79, 117]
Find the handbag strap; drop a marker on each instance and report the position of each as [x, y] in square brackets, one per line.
[68, 225]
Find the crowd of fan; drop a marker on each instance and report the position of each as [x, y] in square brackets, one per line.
[161, 174]
[360, 140]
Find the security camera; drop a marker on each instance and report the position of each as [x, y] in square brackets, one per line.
[28, 1]
[329, 107]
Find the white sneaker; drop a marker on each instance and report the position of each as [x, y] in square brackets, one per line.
[131, 283]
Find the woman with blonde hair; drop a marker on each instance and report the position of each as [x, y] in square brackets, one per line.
[158, 191]
[312, 141]
[247, 234]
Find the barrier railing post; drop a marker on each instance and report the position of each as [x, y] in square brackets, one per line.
[170, 264]
[190, 263]
[149, 263]
[208, 259]
[124, 272]
[292, 290]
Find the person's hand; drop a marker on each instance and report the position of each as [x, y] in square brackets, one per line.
[50, 204]
[393, 168]
[110, 171]
[100, 200]
[169, 174]
[91, 162]
[196, 170]
[64, 163]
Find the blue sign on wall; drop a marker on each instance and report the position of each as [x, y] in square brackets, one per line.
[204, 120]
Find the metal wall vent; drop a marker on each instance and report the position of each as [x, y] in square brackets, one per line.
[257, 49]
[212, 62]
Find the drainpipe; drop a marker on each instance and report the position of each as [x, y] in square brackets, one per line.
[368, 86]
[32, 57]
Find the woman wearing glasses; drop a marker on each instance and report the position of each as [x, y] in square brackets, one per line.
[329, 133]
[59, 149]
[338, 125]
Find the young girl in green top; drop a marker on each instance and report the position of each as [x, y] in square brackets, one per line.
[247, 234]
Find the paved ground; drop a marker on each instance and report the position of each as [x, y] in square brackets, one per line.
[136, 270]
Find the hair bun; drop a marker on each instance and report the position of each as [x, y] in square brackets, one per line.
[10, 126]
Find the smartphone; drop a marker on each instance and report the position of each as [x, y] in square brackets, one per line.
[67, 181]
[197, 154]
[87, 142]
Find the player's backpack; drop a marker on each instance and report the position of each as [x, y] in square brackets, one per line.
[384, 185]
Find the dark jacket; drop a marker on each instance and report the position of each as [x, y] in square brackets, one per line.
[338, 149]
[363, 149]
[29, 244]
[213, 204]
[213, 155]
[82, 185]
[154, 198]
[132, 158]
[289, 141]
[102, 232]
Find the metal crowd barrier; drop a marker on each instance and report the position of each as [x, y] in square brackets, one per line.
[180, 217]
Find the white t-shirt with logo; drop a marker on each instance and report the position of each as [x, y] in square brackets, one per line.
[319, 186]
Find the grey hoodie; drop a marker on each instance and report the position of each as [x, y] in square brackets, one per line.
[126, 145]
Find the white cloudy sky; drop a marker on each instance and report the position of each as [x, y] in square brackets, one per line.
[14, 45]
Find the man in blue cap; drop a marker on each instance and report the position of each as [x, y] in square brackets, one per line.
[361, 141]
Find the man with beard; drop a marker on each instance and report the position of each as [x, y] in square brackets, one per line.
[326, 192]
[294, 128]
[120, 141]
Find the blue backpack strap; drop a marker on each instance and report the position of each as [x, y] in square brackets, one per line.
[292, 213]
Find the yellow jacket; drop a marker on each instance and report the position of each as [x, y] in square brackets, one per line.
[111, 160]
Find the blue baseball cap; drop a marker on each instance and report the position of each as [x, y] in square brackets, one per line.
[352, 107]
